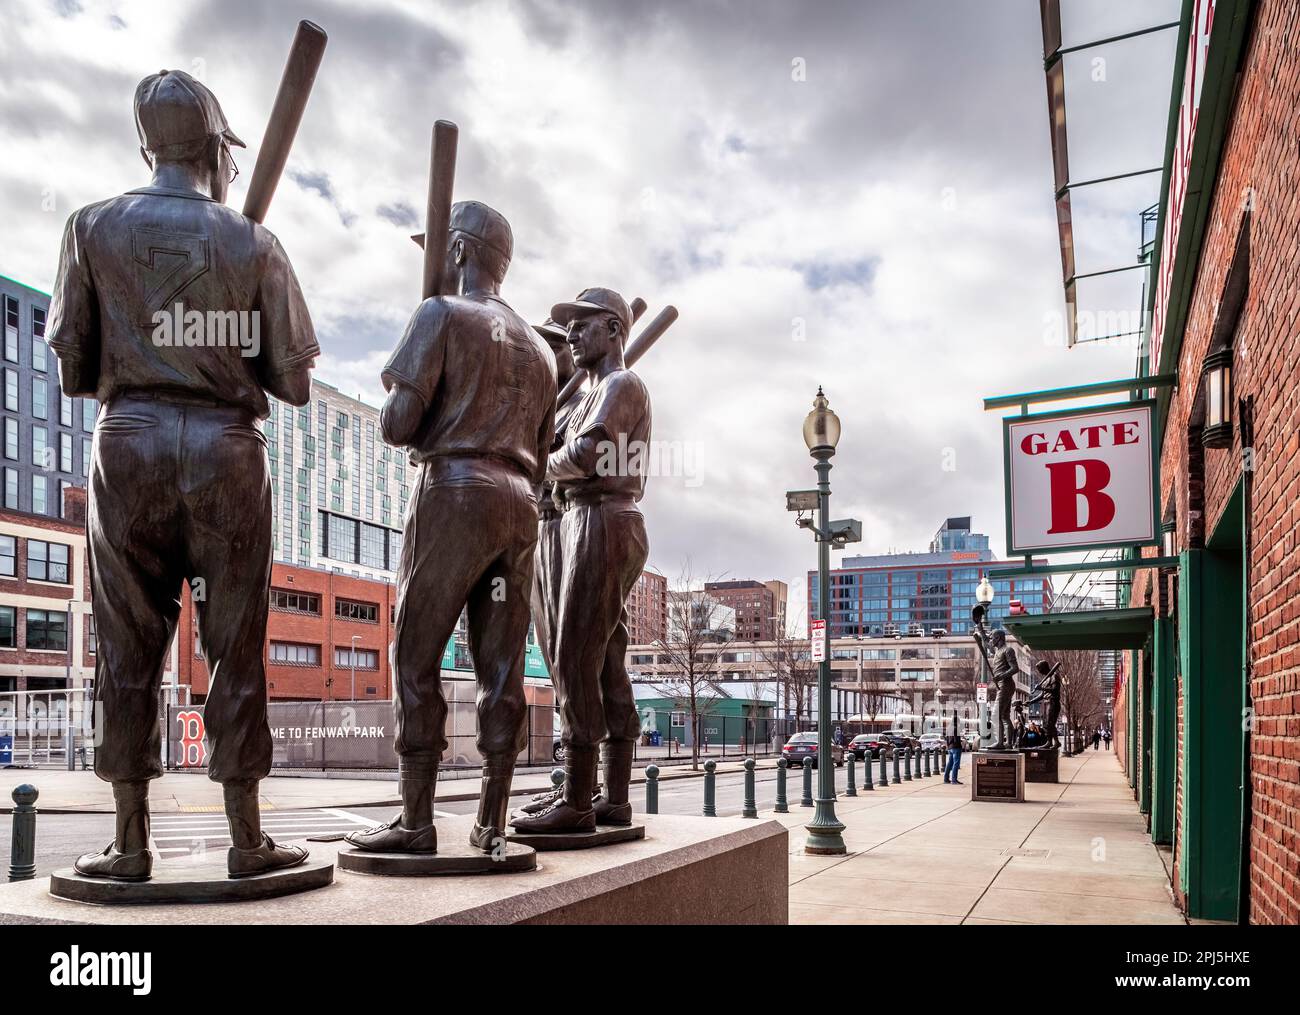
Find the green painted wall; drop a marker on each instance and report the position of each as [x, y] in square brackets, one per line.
[1165, 712]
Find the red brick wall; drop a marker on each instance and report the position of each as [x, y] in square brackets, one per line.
[1258, 171]
[301, 682]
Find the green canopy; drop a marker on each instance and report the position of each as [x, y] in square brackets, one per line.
[1127, 628]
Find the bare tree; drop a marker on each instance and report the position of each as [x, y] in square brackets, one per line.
[789, 659]
[1083, 700]
[693, 646]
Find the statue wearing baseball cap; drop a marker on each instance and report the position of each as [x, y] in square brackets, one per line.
[179, 482]
[599, 476]
[471, 391]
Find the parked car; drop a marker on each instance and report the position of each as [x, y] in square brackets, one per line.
[901, 739]
[866, 744]
[803, 747]
[929, 741]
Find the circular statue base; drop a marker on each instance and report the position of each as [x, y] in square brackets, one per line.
[183, 882]
[451, 858]
[604, 835]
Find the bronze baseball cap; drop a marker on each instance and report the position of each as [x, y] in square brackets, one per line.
[173, 108]
[487, 225]
[554, 334]
[591, 301]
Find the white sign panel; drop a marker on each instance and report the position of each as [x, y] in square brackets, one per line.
[819, 641]
[981, 693]
[1081, 479]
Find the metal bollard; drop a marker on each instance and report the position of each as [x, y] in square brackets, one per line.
[807, 800]
[884, 773]
[22, 854]
[782, 805]
[750, 809]
[926, 760]
[850, 789]
[866, 771]
[893, 753]
[557, 778]
[710, 789]
[907, 764]
[652, 789]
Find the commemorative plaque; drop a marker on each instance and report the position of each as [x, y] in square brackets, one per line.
[1040, 764]
[998, 776]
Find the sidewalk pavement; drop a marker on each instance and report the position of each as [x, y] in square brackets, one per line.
[927, 853]
[63, 792]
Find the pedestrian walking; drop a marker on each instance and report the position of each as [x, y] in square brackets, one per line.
[953, 766]
[1106, 736]
[1096, 739]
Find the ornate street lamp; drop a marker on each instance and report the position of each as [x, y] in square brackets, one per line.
[983, 600]
[821, 432]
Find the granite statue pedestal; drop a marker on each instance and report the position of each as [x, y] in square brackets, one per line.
[687, 870]
[604, 835]
[1041, 764]
[998, 776]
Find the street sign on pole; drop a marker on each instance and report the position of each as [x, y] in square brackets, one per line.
[819, 641]
[982, 693]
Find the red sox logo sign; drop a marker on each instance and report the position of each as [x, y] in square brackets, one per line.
[194, 748]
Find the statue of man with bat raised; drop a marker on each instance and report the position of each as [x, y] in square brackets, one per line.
[179, 485]
[471, 391]
[1005, 667]
[598, 472]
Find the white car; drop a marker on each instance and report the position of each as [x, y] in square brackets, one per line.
[929, 741]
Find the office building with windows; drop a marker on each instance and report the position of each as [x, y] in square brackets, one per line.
[924, 593]
[339, 491]
[47, 436]
[759, 606]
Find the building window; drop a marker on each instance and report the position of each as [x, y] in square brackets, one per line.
[47, 562]
[346, 609]
[65, 410]
[47, 629]
[38, 495]
[40, 398]
[92, 643]
[65, 452]
[372, 546]
[11, 439]
[85, 456]
[295, 602]
[8, 627]
[11, 390]
[40, 437]
[8, 556]
[89, 410]
[915, 675]
[678, 720]
[11, 489]
[342, 536]
[365, 658]
[11, 329]
[287, 653]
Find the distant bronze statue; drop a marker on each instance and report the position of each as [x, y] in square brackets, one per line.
[180, 314]
[471, 391]
[1049, 690]
[1005, 667]
[599, 475]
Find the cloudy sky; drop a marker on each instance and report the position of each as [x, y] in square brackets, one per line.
[856, 194]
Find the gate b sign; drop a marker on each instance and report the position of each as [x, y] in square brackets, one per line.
[1081, 478]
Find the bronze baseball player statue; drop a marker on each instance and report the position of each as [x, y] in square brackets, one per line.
[471, 391]
[1049, 689]
[1005, 667]
[179, 485]
[599, 475]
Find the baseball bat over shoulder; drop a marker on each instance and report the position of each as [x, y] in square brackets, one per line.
[290, 100]
[636, 348]
[437, 220]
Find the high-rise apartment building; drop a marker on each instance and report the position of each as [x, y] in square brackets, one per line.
[47, 436]
[647, 609]
[759, 606]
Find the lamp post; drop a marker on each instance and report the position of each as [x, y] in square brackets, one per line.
[821, 432]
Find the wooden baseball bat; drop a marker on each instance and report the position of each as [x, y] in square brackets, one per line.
[636, 348]
[637, 307]
[437, 219]
[290, 100]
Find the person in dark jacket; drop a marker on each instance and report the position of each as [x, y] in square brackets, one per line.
[953, 767]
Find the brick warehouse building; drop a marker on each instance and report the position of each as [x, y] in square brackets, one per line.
[1207, 710]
